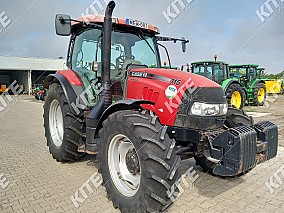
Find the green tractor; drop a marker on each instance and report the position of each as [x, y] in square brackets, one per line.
[218, 71]
[249, 77]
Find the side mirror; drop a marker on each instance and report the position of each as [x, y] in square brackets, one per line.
[63, 25]
[183, 44]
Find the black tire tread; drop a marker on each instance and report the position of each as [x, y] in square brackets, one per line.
[231, 89]
[255, 94]
[154, 152]
[72, 124]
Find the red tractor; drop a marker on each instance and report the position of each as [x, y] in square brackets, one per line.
[140, 119]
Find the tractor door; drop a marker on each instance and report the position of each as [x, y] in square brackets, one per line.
[86, 48]
[204, 70]
[251, 74]
[220, 73]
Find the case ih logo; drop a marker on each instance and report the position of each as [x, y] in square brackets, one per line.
[139, 74]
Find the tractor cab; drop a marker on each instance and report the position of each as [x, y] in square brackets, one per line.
[134, 44]
[215, 70]
[246, 73]
[260, 72]
[218, 71]
[249, 77]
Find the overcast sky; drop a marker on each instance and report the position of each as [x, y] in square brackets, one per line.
[229, 28]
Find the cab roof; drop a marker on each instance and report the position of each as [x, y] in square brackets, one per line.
[261, 68]
[99, 19]
[209, 61]
[244, 65]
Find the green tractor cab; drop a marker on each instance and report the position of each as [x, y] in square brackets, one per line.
[218, 71]
[249, 76]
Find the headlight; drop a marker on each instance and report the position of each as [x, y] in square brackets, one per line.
[203, 109]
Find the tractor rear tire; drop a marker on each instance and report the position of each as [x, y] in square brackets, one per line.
[138, 163]
[259, 94]
[235, 96]
[235, 117]
[62, 127]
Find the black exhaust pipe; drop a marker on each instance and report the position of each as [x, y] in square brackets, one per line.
[106, 98]
[106, 53]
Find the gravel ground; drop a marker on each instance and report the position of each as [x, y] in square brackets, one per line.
[273, 112]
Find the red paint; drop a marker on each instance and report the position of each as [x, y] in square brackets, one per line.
[71, 76]
[154, 90]
[115, 20]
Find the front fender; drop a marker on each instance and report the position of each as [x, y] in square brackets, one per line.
[228, 82]
[118, 106]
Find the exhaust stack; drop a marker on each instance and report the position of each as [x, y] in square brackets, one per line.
[106, 99]
[106, 53]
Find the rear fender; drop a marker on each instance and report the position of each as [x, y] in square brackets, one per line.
[255, 82]
[73, 93]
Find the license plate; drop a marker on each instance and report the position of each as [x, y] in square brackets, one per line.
[136, 23]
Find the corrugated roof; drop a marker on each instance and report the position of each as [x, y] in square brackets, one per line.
[29, 63]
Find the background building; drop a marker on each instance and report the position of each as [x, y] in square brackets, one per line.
[28, 72]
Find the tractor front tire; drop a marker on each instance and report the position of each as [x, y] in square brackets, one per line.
[62, 127]
[138, 163]
[235, 96]
[259, 94]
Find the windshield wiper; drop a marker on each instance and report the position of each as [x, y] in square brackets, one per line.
[142, 36]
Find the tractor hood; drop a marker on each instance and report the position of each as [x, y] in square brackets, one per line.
[174, 92]
[172, 76]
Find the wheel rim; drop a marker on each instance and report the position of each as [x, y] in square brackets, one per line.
[236, 99]
[56, 123]
[261, 95]
[121, 158]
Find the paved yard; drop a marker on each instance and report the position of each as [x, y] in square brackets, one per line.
[37, 183]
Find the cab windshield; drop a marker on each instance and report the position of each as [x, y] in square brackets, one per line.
[238, 72]
[203, 70]
[126, 48]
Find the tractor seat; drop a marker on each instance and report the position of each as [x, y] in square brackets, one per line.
[127, 62]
